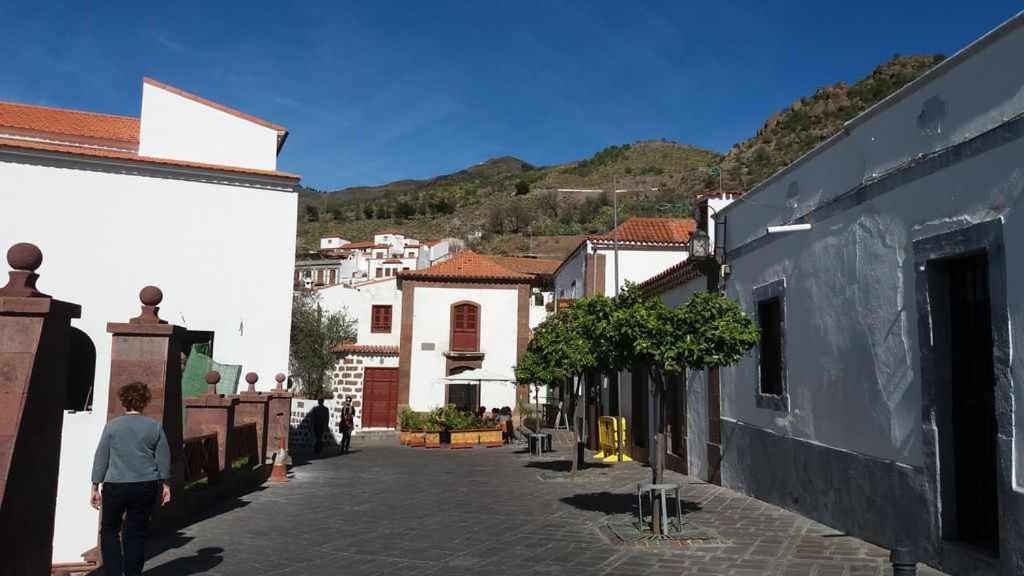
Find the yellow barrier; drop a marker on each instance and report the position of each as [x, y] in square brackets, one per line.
[607, 439]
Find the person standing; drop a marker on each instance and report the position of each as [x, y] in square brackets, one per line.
[321, 417]
[346, 424]
[130, 471]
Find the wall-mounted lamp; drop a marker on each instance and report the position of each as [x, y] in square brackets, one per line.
[788, 228]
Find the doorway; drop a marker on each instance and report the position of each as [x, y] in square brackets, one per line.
[380, 398]
[962, 311]
[464, 396]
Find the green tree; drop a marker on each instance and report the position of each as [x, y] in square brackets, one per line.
[522, 188]
[708, 331]
[314, 334]
[312, 213]
[368, 211]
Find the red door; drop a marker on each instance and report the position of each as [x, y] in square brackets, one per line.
[380, 397]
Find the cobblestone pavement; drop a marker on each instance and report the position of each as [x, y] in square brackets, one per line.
[385, 509]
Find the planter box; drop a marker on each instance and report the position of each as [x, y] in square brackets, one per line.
[415, 439]
[491, 438]
[432, 439]
[465, 438]
[405, 437]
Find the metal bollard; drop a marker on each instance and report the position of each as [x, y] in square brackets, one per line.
[903, 561]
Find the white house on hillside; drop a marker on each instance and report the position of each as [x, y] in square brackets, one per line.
[188, 197]
[354, 263]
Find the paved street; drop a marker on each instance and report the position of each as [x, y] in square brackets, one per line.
[386, 509]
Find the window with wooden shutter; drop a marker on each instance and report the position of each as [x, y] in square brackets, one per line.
[380, 319]
[465, 328]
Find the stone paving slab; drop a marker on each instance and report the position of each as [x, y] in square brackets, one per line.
[386, 509]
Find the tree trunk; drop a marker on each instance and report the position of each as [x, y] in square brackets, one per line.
[576, 427]
[658, 464]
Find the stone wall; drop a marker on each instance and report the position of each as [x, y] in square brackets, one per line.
[348, 380]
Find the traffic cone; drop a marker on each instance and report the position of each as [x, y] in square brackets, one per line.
[279, 473]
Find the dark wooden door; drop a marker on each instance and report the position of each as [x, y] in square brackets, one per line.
[973, 403]
[465, 328]
[380, 397]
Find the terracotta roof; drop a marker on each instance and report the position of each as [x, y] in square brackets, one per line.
[393, 261]
[467, 265]
[652, 231]
[676, 275]
[535, 266]
[133, 157]
[282, 132]
[368, 349]
[69, 122]
[432, 242]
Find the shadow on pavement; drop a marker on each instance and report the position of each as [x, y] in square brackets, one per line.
[204, 560]
[564, 465]
[612, 503]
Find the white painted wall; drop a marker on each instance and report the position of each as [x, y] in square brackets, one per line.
[106, 235]
[638, 264]
[851, 340]
[432, 324]
[328, 243]
[569, 279]
[358, 301]
[179, 128]
[696, 389]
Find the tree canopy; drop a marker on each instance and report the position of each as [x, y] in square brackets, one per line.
[314, 334]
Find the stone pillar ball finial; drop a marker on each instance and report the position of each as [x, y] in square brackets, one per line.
[279, 377]
[151, 297]
[252, 378]
[24, 256]
[24, 259]
[212, 378]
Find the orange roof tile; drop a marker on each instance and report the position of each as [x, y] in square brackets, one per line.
[467, 265]
[676, 275]
[652, 231]
[535, 266]
[101, 153]
[432, 242]
[69, 122]
[282, 132]
[368, 349]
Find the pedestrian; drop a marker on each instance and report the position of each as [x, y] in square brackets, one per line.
[505, 421]
[130, 471]
[347, 423]
[320, 417]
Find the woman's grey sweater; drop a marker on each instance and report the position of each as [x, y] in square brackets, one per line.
[133, 448]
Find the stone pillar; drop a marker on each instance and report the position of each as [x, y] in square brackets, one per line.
[35, 333]
[253, 407]
[213, 412]
[279, 415]
[147, 349]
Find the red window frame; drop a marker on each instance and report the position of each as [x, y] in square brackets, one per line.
[465, 327]
[380, 319]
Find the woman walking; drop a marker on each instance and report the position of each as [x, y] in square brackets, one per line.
[133, 463]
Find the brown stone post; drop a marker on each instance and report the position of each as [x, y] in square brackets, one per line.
[213, 412]
[146, 349]
[252, 407]
[35, 336]
[279, 414]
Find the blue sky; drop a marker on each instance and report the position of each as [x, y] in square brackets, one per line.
[376, 91]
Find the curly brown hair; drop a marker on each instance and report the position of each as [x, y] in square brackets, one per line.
[134, 396]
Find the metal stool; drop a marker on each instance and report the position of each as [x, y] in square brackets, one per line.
[538, 439]
[649, 488]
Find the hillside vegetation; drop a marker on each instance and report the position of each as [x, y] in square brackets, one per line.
[501, 204]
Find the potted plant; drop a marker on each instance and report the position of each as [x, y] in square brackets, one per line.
[432, 435]
[412, 425]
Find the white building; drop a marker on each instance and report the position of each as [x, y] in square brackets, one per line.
[187, 196]
[352, 263]
[645, 245]
[420, 326]
[881, 399]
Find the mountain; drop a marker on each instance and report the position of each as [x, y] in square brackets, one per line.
[506, 205]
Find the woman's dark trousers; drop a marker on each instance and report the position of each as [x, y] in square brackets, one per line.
[133, 502]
